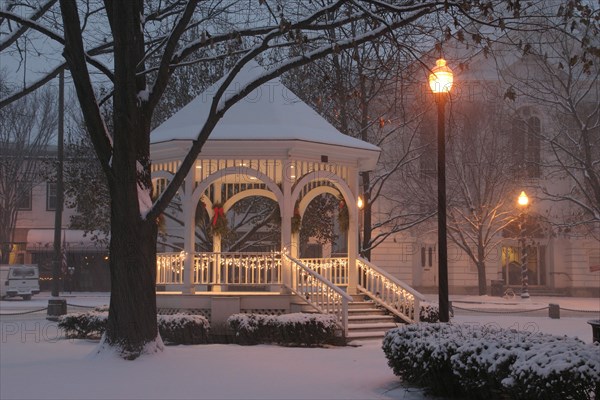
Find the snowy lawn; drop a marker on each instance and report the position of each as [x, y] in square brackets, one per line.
[36, 363]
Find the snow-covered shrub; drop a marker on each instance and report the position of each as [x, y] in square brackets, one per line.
[252, 328]
[555, 367]
[305, 329]
[102, 308]
[289, 329]
[429, 312]
[84, 324]
[174, 329]
[485, 357]
[420, 354]
[484, 363]
[183, 329]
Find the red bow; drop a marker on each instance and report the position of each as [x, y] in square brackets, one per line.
[219, 212]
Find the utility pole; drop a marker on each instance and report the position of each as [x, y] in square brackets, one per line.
[59, 189]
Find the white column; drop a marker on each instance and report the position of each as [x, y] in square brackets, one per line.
[217, 243]
[189, 227]
[287, 211]
[294, 244]
[353, 232]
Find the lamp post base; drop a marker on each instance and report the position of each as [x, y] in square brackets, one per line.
[525, 295]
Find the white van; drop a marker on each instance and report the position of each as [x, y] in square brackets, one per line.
[19, 280]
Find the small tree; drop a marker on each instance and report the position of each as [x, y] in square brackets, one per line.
[26, 130]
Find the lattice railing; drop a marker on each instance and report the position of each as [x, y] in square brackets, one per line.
[393, 294]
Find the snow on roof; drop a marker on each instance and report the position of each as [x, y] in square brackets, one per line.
[271, 112]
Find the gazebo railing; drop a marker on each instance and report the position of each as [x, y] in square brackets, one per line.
[391, 293]
[242, 268]
[321, 294]
[334, 269]
[169, 268]
[230, 268]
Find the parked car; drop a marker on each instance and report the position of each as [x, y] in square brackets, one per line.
[19, 280]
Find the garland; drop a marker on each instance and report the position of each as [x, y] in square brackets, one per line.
[296, 221]
[219, 225]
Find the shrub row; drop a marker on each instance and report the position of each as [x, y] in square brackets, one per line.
[297, 329]
[173, 329]
[489, 362]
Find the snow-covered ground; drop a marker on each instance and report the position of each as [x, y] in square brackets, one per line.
[37, 363]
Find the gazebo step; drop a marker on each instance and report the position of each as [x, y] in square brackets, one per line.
[361, 304]
[366, 335]
[369, 327]
[359, 319]
[366, 311]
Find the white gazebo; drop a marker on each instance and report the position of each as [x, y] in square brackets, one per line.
[269, 144]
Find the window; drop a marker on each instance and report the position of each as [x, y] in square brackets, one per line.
[594, 260]
[426, 257]
[525, 140]
[51, 197]
[24, 199]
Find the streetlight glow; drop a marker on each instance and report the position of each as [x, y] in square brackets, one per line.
[359, 203]
[523, 199]
[441, 77]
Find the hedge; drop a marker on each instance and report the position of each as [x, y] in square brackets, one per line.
[296, 329]
[483, 362]
[173, 329]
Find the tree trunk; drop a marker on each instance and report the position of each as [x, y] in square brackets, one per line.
[131, 326]
[4, 253]
[481, 278]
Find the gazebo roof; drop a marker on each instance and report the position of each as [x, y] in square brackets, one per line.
[270, 113]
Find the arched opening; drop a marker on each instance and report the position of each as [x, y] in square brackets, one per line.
[254, 224]
[320, 234]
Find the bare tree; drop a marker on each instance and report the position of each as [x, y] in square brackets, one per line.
[359, 91]
[558, 75]
[481, 181]
[131, 32]
[27, 127]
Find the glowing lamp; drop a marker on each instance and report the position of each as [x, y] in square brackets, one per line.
[523, 199]
[441, 77]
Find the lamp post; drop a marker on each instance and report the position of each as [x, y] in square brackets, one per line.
[360, 204]
[523, 202]
[440, 82]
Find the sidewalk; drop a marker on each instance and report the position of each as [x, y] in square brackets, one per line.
[584, 304]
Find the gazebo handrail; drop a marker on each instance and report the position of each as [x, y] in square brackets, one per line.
[335, 301]
[320, 278]
[393, 279]
[334, 269]
[389, 292]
